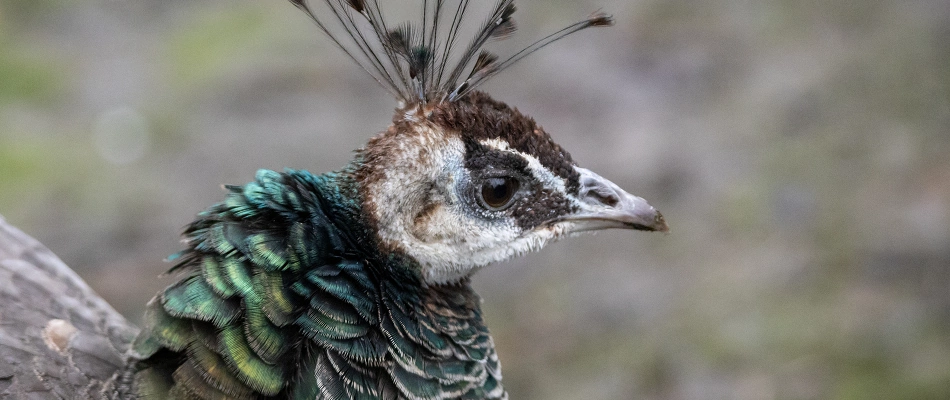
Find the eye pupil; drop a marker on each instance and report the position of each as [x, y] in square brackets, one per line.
[497, 192]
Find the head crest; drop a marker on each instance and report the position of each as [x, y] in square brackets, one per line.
[421, 64]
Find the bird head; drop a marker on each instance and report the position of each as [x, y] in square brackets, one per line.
[460, 180]
[457, 186]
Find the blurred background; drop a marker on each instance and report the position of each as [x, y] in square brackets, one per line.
[799, 149]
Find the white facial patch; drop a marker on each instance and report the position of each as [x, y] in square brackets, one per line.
[542, 174]
[418, 209]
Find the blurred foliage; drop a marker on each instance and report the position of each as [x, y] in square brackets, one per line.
[22, 13]
[26, 77]
[798, 149]
[27, 73]
[212, 42]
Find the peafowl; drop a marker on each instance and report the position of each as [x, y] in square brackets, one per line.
[352, 284]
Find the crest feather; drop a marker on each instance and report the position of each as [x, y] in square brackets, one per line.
[419, 64]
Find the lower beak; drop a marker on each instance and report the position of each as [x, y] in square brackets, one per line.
[605, 205]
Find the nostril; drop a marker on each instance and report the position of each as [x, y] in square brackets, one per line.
[599, 191]
[604, 197]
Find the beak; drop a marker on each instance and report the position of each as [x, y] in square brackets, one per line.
[605, 205]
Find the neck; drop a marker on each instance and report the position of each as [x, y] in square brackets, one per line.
[283, 285]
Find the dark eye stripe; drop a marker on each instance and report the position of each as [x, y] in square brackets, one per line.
[479, 157]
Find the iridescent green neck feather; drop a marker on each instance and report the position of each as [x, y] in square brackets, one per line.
[283, 294]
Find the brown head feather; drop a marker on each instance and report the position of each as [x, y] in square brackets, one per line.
[478, 117]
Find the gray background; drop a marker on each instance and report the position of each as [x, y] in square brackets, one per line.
[799, 150]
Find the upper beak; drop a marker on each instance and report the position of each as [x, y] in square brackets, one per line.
[605, 205]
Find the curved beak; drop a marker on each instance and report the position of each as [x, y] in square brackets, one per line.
[605, 205]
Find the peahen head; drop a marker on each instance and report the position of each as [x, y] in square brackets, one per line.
[461, 180]
[459, 185]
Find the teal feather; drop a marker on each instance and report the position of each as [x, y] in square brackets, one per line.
[339, 310]
[371, 349]
[326, 326]
[307, 245]
[216, 277]
[267, 251]
[211, 367]
[340, 288]
[359, 381]
[239, 276]
[217, 240]
[192, 298]
[432, 340]
[281, 300]
[235, 235]
[414, 385]
[301, 289]
[163, 331]
[277, 300]
[153, 383]
[248, 367]
[268, 341]
[197, 385]
[329, 381]
[206, 334]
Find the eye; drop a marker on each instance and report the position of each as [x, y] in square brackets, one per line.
[497, 192]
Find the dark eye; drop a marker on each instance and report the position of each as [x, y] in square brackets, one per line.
[497, 192]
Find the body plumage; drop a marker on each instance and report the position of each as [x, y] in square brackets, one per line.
[286, 296]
